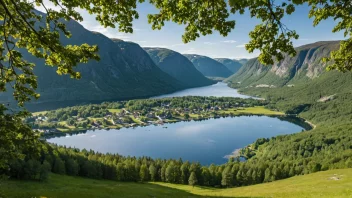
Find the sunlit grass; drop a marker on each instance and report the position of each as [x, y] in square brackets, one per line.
[115, 110]
[39, 112]
[328, 184]
[259, 110]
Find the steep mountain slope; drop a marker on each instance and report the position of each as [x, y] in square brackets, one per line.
[124, 71]
[232, 65]
[178, 66]
[303, 67]
[208, 66]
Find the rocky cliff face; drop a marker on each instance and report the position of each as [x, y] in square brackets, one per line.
[125, 71]
[306, 65]
[178, 66]
[208, 66]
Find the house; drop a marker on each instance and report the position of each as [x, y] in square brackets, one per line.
[117, 121]
[136, 114]
[96, 124]
[151, 115]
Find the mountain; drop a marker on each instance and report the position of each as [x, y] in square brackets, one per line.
[178, 66]
[208, 66]
[232, 65]
[303, 67]
[243, 61]
[125, 71]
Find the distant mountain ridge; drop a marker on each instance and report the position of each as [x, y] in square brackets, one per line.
[125, 71]
[231, 64]
[178, 66]
[305, 66]
[208, 66]
[242, 61]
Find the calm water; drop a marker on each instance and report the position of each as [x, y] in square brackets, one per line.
[207, 141]
[220, 90]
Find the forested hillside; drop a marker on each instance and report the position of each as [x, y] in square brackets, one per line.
[178, 66]
[300, 85]
[124, 71]
[208, 66]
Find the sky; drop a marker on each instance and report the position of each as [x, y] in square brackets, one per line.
[215, 45]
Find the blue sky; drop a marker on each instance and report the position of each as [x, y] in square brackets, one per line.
[215, 45]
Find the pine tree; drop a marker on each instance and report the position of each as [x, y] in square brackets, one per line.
[192, 179]
[143, 173]
[153, 172]
[227, 177]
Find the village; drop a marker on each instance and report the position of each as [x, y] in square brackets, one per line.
[124, 118]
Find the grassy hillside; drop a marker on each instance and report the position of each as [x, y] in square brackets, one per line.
[329, 184]
[73, 187]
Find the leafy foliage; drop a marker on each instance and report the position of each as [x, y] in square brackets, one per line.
[15, 139]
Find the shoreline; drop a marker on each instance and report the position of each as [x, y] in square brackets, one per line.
[285, 117]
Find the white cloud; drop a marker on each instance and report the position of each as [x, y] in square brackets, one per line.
[139, 41]
[178, 44]
[241, 46]
[190, 51]
[137, 29]
[229, 41]
[209, 43]
[249, 56]
[109, 32]
[155, 46]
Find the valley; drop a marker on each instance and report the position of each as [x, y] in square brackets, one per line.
[95, 104]
[223, 136]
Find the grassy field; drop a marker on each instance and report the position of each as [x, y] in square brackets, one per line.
[328, 184]
[39, 112]
[73, 187]
[115, 110]
[259, 110]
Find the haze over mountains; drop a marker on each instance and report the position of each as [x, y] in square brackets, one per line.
[231, 64]
[178, 66]
[208, 66]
